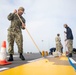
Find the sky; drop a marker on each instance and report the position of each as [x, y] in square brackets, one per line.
[44, 19]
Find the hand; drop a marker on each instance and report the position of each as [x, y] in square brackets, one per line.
[64, 31]
[23, 26]
[65, 40]
[15, 11]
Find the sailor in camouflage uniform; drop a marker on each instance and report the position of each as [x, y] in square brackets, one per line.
[58, 43]
[15, 33]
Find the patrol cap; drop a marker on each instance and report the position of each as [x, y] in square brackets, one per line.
[21, 8]
[58, 34]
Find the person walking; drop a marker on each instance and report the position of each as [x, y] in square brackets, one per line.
[15, 33]
[69, 39]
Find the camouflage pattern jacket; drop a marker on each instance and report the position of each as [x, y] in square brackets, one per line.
[16, 24]
[57, 39]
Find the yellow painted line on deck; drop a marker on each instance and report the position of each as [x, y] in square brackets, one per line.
[63, 58]
[41, 67]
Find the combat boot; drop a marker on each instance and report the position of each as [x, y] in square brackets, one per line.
[22, 57]
[69, 55]
[10, 58]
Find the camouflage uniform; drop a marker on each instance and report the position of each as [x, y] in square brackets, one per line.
[70, 45]
[15, 33]
[58, 44]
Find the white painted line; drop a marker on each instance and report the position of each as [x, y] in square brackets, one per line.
[72, 60]
[14, 56]
[1, 69]
[50, 56]
[35, 60]
[40, 58]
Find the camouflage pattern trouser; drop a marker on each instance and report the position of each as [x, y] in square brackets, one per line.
[70, 45]
[18, 38]
[58, 47]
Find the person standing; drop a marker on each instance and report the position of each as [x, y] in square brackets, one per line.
[58, 43]
[15, 33]
[69, 39]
